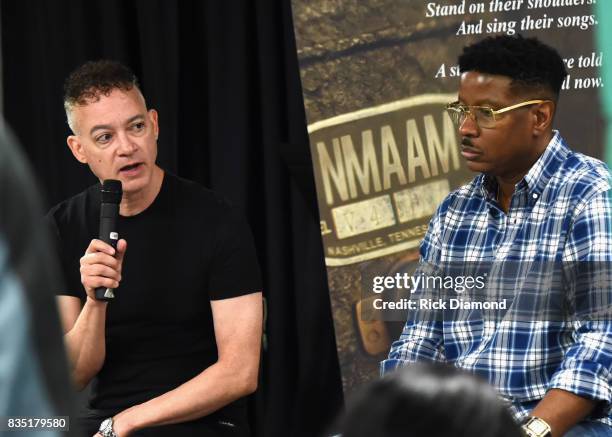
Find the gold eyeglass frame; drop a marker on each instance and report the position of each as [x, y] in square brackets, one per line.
[456, 111]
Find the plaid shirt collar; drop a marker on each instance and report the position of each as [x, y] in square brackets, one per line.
[536, 178]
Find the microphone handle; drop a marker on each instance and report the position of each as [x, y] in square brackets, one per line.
[108, 234]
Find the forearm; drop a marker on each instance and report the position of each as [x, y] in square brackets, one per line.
[562, 410]
[581, 381]
[86, 344]
[217, 386]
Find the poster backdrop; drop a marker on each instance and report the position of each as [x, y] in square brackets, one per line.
[376, 75]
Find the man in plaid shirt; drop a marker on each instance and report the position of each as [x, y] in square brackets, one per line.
[534, 200]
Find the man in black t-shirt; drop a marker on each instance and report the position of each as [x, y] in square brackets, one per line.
[179, 346]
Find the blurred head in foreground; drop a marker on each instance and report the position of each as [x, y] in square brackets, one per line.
[428, 401]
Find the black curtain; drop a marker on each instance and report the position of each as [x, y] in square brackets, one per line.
[224, 77]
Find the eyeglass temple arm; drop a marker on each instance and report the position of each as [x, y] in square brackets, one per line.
[518, 105]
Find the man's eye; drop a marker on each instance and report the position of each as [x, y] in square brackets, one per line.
[104, 138]
[486, 113]
[138, 126]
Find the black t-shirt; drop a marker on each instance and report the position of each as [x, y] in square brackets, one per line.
[187, 248]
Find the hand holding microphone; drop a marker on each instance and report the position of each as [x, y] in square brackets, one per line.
[101, 268]
[103, 259]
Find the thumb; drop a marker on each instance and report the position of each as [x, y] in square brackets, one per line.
[121, 248]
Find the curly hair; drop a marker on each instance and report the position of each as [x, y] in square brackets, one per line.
[527, 61]
[95, 78]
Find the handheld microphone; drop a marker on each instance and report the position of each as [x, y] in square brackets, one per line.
[109, 211]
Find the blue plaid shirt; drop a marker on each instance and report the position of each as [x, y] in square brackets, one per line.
[561, 212]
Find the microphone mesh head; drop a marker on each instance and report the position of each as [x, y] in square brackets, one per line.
[111, 191]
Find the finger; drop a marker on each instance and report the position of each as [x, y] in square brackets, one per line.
[94, 282]
[100, 246]
[100, 270]
[100, 258]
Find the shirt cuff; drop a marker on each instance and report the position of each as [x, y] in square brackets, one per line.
[390, 365]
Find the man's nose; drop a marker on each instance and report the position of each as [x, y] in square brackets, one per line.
[468, 127]
[126, 146]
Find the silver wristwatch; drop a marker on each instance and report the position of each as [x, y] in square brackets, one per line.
[106, 428]
[536, 427]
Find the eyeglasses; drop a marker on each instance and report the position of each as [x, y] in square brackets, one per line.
[484, 116]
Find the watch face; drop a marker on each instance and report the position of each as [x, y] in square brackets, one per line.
[538, 427]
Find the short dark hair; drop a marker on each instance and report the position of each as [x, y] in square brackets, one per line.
[527, 61]
[435, 400]
[95, 78]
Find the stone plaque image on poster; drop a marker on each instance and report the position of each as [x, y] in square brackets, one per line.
[376, 76]
[383, 172]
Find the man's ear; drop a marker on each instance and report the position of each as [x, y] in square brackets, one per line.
[76, 147]
[154, 121]
[543, 114]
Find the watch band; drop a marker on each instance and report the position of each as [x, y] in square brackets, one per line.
[106, 428]
[536, 427]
